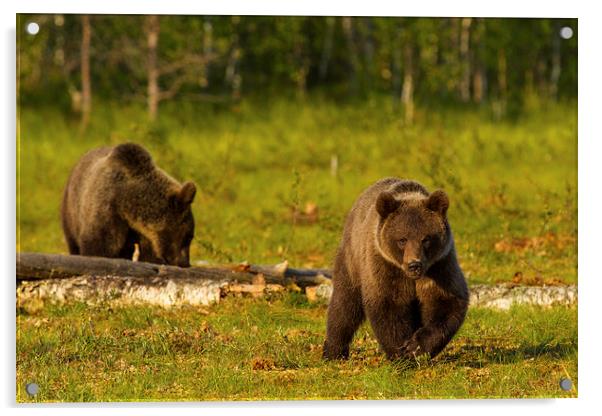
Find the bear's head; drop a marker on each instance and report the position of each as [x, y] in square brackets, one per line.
[413, 232]
[156, 206]
[171, 243]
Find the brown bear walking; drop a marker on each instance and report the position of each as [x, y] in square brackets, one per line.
[397, 266]
[116, 197]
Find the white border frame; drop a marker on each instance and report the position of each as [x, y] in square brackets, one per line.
[589, 171]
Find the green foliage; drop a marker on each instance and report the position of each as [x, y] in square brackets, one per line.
[269, 349]
[345, 56]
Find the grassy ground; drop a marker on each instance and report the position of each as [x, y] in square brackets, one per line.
[269, 349]
[260, 167]
[513, 185]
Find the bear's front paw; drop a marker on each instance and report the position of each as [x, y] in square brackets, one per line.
[415, 346]
[411, 348]
[331, 352]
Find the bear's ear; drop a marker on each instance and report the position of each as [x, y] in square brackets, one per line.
[134, 157]
[187, 193]
[386, 204]
[438, 202]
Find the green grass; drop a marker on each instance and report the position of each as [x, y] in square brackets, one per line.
[513, 192]
[269, 349]
[257, 162]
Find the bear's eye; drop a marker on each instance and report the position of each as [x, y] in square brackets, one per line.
[427, 241]
[403, 241]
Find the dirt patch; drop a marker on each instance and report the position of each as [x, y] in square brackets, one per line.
[537, 244]
[262, 364]
[520, 279]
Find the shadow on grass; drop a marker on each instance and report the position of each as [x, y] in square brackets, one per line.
[477, 356]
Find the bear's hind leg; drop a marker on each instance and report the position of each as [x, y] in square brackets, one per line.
[71, 244]
[104, 239]
[345, 314]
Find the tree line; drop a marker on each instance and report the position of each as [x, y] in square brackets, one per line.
[75, 59]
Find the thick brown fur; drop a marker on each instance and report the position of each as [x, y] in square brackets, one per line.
[116, 197]
[397, 266]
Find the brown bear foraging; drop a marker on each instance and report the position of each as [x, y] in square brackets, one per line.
[116, 197]
[397, 266]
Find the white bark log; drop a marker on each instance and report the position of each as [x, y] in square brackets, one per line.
[500, 296]
[55, 278]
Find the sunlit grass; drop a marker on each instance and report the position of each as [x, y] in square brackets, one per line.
[256, 163]
[513, 191]
[269, 349]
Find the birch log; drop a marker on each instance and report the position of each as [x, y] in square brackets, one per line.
[37, 266]
[58, 278]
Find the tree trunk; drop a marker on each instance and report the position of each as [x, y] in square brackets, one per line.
[327, 48]
[478, 85]
[207, 51]
[396, 39]
[465, 59]
[368, 51]
[152, 41]
[302, 70]
[502, 80]
[541, 77]
[478, 72]
[86, 98]
[233, 78]
[347, 24]
[407, 91]
[555, 74]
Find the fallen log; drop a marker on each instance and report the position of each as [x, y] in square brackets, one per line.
[39, 266]
[283, 270]
[173, 292]
[56, 278]
[499, 296]
[120, 291]
[504, 296]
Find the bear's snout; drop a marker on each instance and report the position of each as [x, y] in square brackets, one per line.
[414, 269]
